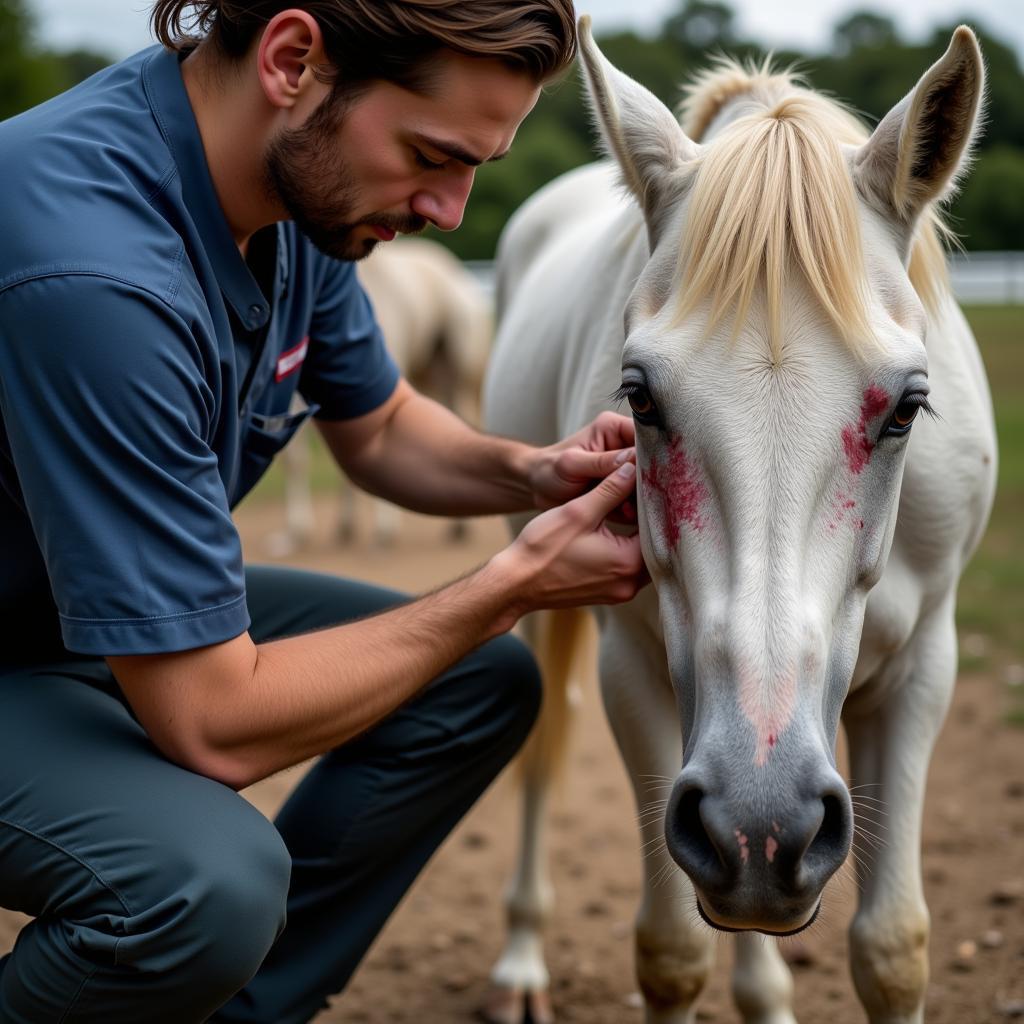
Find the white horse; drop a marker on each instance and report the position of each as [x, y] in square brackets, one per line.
[437, 321]
[769, 295]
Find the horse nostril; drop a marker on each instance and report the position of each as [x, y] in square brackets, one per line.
[688, 838]
[831, 843]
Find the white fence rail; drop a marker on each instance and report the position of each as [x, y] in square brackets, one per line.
[978, 277]
[988, 277]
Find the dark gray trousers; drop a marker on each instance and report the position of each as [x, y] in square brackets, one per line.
[157, 894]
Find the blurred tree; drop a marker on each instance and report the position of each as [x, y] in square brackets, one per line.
[29, 74]
[26, 77]
[862, 30]
[701, 25]
[77, 65]
[656, 63]
[870, 80]
[990, 212]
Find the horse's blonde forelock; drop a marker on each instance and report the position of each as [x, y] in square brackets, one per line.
[773, 192]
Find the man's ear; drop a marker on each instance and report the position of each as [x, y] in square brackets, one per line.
[639, 131]
[922, 146]
[290, 46]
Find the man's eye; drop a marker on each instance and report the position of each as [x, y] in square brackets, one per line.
[425, 161]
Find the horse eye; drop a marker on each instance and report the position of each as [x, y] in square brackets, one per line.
[905, 413]
[640, 401]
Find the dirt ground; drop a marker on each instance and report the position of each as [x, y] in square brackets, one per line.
[431, 962]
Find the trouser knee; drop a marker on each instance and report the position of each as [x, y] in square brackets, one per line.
[514, 685]
[222, 909]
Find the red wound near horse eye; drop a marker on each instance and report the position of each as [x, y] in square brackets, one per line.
[856, 444]
[681, 491]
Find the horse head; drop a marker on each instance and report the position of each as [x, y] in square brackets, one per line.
[775, 362]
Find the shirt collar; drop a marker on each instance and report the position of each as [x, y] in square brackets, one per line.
[165, 90]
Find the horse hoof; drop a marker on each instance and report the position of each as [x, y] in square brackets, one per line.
[504, 1006]
[516, 1006]
[538, 1008]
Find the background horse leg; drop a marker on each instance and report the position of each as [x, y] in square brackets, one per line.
[674, 948]
[298, 488]
[520, 978]
[347, 529]
[762, 986]
[387, 523]
[299, 520]
[890, 746]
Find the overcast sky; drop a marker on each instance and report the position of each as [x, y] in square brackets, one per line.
[119, 27]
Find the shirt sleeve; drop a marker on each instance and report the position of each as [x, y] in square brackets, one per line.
[348, 371]
[105, 397]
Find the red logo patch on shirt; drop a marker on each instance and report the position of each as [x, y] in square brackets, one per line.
[288, 362]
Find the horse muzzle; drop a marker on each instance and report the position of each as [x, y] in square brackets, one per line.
[759, 857]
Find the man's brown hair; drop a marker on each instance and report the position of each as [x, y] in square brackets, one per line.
[390, 40]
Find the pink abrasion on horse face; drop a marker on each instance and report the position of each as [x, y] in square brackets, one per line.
[856, 444]
[676, 482]
[858, 447]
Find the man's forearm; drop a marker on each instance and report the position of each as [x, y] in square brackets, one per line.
[427, 459]
[252, 710]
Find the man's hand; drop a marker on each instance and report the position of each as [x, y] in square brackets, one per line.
[568, 556]
[567, 469]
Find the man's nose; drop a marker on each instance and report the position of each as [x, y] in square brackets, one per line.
[444, 201]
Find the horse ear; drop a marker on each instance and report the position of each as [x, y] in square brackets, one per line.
[922, 146]
[639, 131]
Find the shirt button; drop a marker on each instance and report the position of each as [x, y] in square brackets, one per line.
[256, 313]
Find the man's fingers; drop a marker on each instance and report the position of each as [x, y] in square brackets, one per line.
[610, 493]
[618, 430]
[578, 464]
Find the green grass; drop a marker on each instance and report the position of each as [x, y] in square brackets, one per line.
[992, 592]
[1000, 333]
[991, 600]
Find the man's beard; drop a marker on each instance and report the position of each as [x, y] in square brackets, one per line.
[304, 172]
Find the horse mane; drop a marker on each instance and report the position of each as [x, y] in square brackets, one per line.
[773, 188]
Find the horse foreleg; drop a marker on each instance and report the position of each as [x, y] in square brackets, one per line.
[388, 521]
[674, 949]
[466, 405]
[520, 978]
[890, 747]
[298, 499]
[762, 985]
[298, 488]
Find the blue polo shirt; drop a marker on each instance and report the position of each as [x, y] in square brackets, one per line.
[145, 374]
